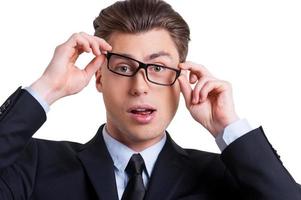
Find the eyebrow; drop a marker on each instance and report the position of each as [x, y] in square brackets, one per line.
[151, 56]
[158, 54]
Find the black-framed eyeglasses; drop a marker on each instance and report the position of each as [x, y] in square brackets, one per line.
[157, 74]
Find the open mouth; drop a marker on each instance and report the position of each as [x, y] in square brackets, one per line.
[142, 111]
[142, 114]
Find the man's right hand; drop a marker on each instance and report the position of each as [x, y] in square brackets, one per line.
[62, 77]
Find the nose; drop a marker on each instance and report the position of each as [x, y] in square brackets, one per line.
[140, 85]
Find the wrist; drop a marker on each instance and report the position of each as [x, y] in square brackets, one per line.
[220, 127]
[232, 132]
[47, 92]
[231, 119]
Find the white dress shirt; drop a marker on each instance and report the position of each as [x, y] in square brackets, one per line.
[121, 155]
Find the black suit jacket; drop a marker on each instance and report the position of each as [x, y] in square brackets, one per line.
[48, 170]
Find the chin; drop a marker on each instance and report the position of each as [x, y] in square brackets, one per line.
[145, 132]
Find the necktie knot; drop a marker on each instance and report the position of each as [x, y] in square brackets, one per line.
[135, 165]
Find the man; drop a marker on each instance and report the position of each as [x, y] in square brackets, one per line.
[140, 48]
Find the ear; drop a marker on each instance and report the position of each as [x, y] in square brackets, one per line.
[98, 76]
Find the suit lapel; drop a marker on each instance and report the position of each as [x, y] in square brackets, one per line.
[99, 167]
[167, 173]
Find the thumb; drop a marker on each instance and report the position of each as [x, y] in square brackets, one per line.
[94, 65]
[185, 89]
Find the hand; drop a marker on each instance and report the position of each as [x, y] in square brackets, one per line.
[210, 102]
[62, 77]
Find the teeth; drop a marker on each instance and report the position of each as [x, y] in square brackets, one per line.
[141, 109]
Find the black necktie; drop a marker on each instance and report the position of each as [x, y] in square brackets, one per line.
[135, 189]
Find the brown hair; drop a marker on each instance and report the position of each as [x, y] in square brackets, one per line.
[135, 16]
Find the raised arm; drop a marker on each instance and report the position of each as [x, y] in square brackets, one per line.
[22, 115]
[248, 155]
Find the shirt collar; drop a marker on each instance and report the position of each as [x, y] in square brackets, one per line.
[121, 154]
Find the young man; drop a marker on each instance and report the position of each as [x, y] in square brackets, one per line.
[140, 48]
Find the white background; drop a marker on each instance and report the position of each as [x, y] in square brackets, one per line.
[255, 45]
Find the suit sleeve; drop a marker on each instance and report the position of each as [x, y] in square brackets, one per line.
[258, 169]
[20, 117]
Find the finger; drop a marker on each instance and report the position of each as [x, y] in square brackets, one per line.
[193, 78]
[104, 45]
[215, 86]
[72, 48]
[98, 44]
[94, 45]
[185, 89]
[94, 65]
[79, 42]
[200, 84]
[197, 69]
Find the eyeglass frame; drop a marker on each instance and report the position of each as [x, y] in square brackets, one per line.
[142, 66]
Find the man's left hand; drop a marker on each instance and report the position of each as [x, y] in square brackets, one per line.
[210, 101]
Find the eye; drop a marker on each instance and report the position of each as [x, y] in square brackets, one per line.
[157, 68]
[122, 68]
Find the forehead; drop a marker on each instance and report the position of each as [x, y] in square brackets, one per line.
[144, 45]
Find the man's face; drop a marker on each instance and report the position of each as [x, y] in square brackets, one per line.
[138, 111]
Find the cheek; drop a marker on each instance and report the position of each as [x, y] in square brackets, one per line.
[175, 98]
[113, 95]
[113, 87]
[171, 100]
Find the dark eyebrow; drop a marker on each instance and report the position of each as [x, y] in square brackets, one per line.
[159, 54]
[151, 56]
